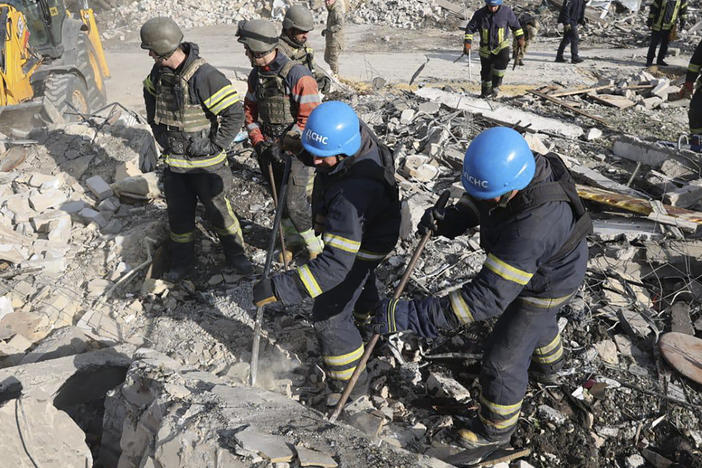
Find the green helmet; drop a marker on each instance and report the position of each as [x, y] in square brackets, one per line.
[298, 17]
[161, 35]
[258, 35]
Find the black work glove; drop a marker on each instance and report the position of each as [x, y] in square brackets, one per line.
[431, 221]
[202, 147]
[324, 32]
[263, 293]
[269, 151]
[567, 27]
[649, 22]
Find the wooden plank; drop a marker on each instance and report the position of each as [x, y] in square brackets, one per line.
[570, 108]
[634, 204]
[612, 100]
[570, 92]
[684, 353]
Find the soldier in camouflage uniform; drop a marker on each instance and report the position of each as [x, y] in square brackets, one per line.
[334, 34]
[530, 26]
[297, 24]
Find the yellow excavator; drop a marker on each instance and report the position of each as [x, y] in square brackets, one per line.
[51, 63]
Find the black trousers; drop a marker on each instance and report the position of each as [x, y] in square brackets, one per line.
[183, 190]
[571, 37]
[492, 69]
[661, 37]
[694, 114]
[297, 203]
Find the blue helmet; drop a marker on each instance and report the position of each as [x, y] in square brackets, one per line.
[493, 2]
[497, 161]
[332, 128]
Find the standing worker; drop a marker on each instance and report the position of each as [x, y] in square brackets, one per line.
[533, 228]
[572, 14]
[334, 34]
[297, 24]
[194, 113]
[694, 114]
[356, 206]
[493, 22]
[281, 94]
[530, 27]
[661, 20]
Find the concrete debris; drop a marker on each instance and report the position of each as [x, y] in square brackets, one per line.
[446, 387]
[309, 457]
[272, 448]
[35, 433]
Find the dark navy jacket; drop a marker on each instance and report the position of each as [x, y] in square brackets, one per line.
[520, 249]
[358, 214]
[572, 12]
[493, 29]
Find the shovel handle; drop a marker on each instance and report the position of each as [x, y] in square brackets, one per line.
[441, 203]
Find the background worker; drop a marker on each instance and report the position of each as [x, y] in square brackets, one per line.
[661, 20]
[694, 114]
[530, 27]
[334, 34]
[572, 14]
[357, 209]
[297, 24]
[493, 23]
[194, 113]
[532, 227]
[281, 95]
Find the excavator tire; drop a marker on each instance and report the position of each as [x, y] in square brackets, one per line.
[96, 98]
[64, 88]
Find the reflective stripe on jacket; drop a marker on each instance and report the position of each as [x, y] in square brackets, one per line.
[493, 29]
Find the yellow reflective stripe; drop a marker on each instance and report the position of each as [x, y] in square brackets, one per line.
[182, 238]
[308, 280]
[549, 359]
[501, 35]
[507, 271]
[341, 243]
[485, 36]
[503, 410]
[501, 424]
[518, 32]
[225, 103]
[195, 163]
[694, 68]
[369, 256]
[149, 86]
[549, 347]
[342, 375]
[216, 97]
[468, 37]
[344, 359]
[232, 229]
[460, 308]
[696, 131]
[545, 302]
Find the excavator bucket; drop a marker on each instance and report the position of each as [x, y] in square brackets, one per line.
[20, 119]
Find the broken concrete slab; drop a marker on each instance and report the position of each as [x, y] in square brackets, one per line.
[268, 446]
[651, 154]
[35, 433]
[140, 187]
[99, 187]
[66, 341]
[500, 113]
[308, 457]
[685, 196]
[43, 201]
[446, 387]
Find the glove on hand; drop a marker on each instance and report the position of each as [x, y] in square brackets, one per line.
[269, 151]
[466, 47]
[430, 221]
[521, 42]
[567, 27]
[292, 142]
[687, 88]
[263, 293]
[202, 147]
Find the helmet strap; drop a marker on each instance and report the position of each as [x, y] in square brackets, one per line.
[504, 199]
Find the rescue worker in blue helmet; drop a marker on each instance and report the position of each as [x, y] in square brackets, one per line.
[532, 227]
[492, 23]
[356, 209]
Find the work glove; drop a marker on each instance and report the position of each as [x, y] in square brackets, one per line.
[567, 27]
[466, 47]
[292, 142]
[202, 147]
[431, 221]
[687, 88]
[324, 32]
[269, 151]
[649, 22]
[263, 293]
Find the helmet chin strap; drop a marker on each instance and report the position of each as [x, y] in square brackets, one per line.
[504, 199]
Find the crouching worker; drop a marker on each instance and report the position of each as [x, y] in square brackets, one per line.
[355, 206]
[532, 227]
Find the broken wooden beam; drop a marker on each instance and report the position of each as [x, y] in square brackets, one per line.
[569, 107]
[677, 216]
[571, 92]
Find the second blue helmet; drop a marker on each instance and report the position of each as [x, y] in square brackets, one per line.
[333, 128]
[497, 161]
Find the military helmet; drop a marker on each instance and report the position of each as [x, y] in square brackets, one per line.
[258, 35]
[161, 35]
[298, 17]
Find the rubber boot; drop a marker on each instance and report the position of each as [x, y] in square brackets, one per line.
[313, 243]
[560, 58]
[337, 388]
[485, 89]
[235, 257]
[182, 259]
[478, 445]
